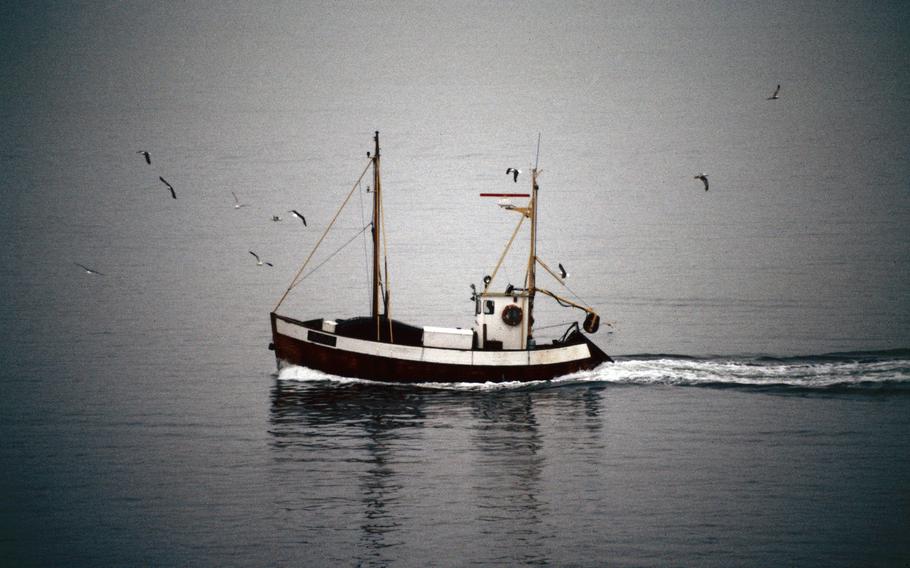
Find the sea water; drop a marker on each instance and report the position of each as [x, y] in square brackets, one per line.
[757, 412]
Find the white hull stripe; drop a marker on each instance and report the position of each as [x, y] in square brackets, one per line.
[438, 355]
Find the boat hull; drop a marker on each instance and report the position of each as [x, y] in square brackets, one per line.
[302, 343]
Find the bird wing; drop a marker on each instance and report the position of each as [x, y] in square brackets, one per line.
[705, 179]
[269, 264]
[87, 269]
[235, 198]
[164, 181]
[298, 214]
[255, 255]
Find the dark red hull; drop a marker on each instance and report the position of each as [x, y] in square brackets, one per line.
[331, 360]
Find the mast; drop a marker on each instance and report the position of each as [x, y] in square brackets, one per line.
[377, 216]
[532, 260]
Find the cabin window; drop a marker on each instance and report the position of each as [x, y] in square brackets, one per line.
[489, 307]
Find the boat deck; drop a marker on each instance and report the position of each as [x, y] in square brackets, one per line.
[364, 328]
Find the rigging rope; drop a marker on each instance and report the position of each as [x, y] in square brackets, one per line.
[562, 282]
[508, 246]
[538, 328]
[328, 258]
[366, 262]
[385, 261]
[296, 279]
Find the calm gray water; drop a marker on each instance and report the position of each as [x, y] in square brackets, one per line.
[758, 412]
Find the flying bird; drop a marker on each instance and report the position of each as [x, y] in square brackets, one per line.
[169, 186]
[276, 218]
[88, 270]
[562, 271]
[704, 179]
[259, 261]
[774, 97]
[148, 158]
[299, 215]
[514, 173]
[237, 204]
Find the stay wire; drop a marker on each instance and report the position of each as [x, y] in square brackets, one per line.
[339, 249]
[296, 280]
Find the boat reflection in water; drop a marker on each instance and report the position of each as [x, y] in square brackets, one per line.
[393, 462]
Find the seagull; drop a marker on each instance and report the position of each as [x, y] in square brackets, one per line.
[169, 186]
[237, 204]
[88, 270]
[259, 261]
[299, 215]
[774, 97]
[276, 218]
[562, 271]
[704, 179]
[514, 173]
[148, 158]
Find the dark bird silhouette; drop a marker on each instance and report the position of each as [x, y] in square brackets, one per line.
[259, 260]
[88, 270]
[169, 186]
[704, 179]
[514, 173]
[148, 158]
[562, 271]
[276, 218]
[775, 96]
[299, 215]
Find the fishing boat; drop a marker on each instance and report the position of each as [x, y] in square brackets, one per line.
[500, 345]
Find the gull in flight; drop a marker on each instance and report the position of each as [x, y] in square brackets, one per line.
[148, 158]
[237, 204]
[562, 271]
[514, 173]
[299, 215]
[775, 96]
[88, 270]
[169, 186]
[276, 218]
[259, 261]
[704, 179]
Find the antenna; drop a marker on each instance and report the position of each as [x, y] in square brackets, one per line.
[537, 158]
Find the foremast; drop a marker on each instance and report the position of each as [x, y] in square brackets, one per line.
[377, 225]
